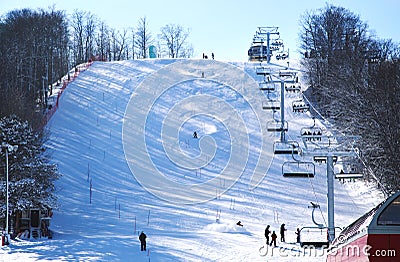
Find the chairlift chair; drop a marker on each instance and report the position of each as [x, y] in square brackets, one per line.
[282, 55]
[311, 133]
[298, 169]
[277, 126]
[271, 105]
[323, 159]
[263, 70]
[314, 237]
[273, 47]
[286, 148]
[267, 86]
[293, 87]
[300, 106]
[277, 42]
[347, 171]
[287, 73]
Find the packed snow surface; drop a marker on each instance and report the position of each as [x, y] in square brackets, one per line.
[122, 138]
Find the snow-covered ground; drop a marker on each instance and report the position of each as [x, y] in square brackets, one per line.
[122, 138]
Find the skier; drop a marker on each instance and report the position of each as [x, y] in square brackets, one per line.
[267, 232]
[273, 239]
[298, 235]
[142, 238]
[212, 55]
[195, 134]
[239, 223]
[282, 231]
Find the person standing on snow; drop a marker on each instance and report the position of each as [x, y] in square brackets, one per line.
[266, 233]
[142, 238]
[282, 231]
[297, 235]
[273, 239]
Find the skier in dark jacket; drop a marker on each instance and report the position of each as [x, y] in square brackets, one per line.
[273, 239]
[282, 231]
[267, 232]
[142, 238]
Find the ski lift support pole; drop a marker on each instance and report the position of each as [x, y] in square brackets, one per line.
[330, 153]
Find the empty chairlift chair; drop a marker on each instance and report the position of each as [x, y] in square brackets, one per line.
[322, 159]
[266, 86]
[298, 169]
[263, 70]
[271, 105]
[277, 126]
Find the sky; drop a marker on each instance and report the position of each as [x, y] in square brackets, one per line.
[223, 27]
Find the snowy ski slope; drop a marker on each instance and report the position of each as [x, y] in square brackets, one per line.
[122, 138]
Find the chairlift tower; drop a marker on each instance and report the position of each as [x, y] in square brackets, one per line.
[330, 148]
[282, 77]
[258, 50]
[264, 33]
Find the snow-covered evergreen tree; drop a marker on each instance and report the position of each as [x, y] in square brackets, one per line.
[31, 175]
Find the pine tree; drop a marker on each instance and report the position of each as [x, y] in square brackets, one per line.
[31, 175]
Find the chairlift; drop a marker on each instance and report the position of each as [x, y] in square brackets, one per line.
[263, 70]
[277, 42]
[286, 148]
[312, 133]
[314, 237]
[271, 105]
[273, 48]
[293, 87]
[277, 126]
[347, 171]
[258, 40]
[299, 106]
[287, 73]
[282, 55]
[323, 159]
[267, 86]
[298, 169]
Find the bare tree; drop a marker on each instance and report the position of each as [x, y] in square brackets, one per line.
[77, 23]
[90, 27]
[174, 38]
[352, 80]
[33, 50]
[142, 38]
[102, 41]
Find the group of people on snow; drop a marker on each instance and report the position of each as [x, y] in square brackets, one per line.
[282, 231]
[206, 56]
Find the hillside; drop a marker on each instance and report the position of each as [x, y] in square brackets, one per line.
[122, 138]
